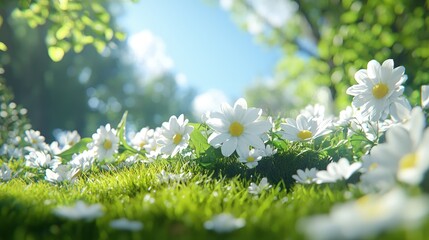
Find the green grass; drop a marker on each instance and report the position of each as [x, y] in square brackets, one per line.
[167, 210]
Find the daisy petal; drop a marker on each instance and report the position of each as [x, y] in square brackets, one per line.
[229, 147]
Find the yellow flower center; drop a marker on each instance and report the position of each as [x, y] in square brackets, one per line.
[304, 134]
[142, 143]
[380, 90]
[236, 129]
[373, 166]
[408, 161]
[363, 200]
[177, 138]
[369, 210]
[250, 159]
[107, 144]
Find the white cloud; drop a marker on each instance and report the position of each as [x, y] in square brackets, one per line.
[181, 79]
[226, 4]
[148, 52]
[255, 25]
[208, 101]
[276, 12]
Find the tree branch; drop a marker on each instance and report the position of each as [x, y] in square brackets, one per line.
[314, 29]
[280, 33]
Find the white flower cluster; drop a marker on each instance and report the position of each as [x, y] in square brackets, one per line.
[403, 159]
[378, 108]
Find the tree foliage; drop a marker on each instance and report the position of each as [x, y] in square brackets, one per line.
[73, 24]
[64, 61]
[345, 35]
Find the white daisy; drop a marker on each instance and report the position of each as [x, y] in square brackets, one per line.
[379, 90]
[307, 176]
[224, 223]
[61, 173]
[5, 173]
[367, 216]
[83, 160]
[316, 111]
[304, 129]
[337, 171]
[35, 140]
[345, 117]
[205, 116]
[66, 139]
[376, 177]
[54, 148]
[425, 96]
[11, 150]
[80, 211]
[251, 157]
[105, 142]
[175, 135]
[141, 139]
[237, 128]
[269, 151]
[125, 224]
[371, 130]
[153, 149]
[404, 155]
[131, 160]
[165, 177]
[41, 159]
[256, 189]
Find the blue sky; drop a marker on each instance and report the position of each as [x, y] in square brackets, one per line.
[204, 43]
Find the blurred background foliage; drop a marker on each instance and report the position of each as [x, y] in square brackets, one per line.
[325, 42]
[64, 60]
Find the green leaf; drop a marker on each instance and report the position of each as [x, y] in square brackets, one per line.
[198, 141]
[120, 36]
[63, 32]
[56, 53]
[78, 47]
[3, 47]
[108, 34]
[77, 148]
[210, 157]
[121, 133]
[99, 46]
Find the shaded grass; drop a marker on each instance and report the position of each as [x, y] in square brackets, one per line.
[174, 210]
[278, 168]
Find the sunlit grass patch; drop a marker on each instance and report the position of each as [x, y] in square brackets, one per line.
[166, 209]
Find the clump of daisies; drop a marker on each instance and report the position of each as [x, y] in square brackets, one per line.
[237, 128]
[175, 135]
[305, 128]
[105, 143]
[404, 157]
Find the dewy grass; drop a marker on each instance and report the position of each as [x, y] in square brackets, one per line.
[174, 209]
[167, 209]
